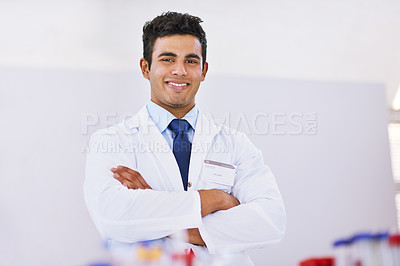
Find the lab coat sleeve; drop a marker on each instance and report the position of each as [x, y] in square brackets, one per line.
[130, 215]
[260, 219]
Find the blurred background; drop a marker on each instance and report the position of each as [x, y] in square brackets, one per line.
[68, 68]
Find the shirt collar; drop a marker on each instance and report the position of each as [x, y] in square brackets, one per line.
[161, 117]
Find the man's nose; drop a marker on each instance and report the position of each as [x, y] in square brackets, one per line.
[179, 69]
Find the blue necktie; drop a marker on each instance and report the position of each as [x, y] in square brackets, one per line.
[181, 147]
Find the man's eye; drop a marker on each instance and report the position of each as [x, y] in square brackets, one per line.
[192, 61]
[167, 60]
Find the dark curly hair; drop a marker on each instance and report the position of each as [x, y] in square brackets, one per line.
[170, 23]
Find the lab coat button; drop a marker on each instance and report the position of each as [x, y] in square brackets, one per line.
[189, 184]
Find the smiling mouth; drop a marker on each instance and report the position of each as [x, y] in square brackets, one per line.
[177, 85]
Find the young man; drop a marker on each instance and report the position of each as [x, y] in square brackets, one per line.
[182, 171]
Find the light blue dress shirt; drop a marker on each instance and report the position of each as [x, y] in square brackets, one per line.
[162, 118]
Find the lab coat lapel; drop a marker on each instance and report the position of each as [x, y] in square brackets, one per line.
[203, 137]
[155, 142]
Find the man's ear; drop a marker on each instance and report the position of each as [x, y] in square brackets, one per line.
[144, 66]
[204, 71]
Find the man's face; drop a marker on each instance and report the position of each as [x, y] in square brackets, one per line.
[176, 71]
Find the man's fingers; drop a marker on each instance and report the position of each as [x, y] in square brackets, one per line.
[125, 174]
[120, 168]
[128, 183]
[143, 182]
[127, 169]
[134, 185]
[139, 177]
[131, 175]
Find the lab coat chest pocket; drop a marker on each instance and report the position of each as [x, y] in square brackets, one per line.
[217, 175]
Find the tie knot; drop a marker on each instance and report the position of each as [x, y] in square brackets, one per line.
[179, 125]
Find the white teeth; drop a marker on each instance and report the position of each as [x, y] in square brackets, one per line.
[178, 85]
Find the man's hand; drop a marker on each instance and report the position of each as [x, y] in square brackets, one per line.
[215, 200]
[129, 178]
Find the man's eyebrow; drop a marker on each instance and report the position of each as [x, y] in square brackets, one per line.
[192, 56]
[167, 54]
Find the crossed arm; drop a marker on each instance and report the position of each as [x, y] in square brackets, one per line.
[211, 200]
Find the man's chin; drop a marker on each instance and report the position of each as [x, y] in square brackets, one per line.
[178, 103]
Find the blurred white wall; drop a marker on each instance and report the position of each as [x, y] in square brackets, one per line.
[354, 40]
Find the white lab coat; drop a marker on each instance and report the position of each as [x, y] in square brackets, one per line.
[129, 215]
